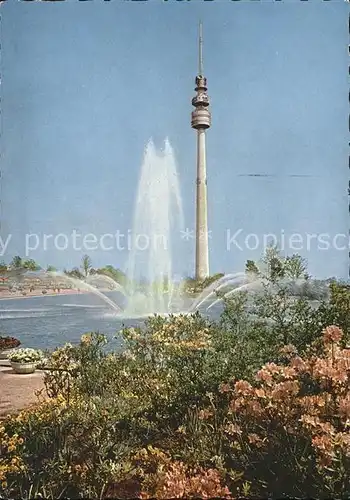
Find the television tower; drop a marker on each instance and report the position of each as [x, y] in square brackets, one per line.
[200, 121]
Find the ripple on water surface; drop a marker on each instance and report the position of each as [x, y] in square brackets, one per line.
[48, 322]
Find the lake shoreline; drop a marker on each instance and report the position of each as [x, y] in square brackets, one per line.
[31, 295]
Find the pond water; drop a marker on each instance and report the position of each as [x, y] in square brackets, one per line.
[51, 321]
[48, 322]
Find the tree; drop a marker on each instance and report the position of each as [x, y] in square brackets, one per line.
[74, 273]
[271, 265]
[192, 285]
[271, 252]
[3, 267]
[86, 265]
[51, 269]
[113, 273]
[211, 279]
[296, 267]
[276, 266]
[31, 265]
[273, 262]
[251, 268]
[337, 311]
[16, 262]
[189, 284]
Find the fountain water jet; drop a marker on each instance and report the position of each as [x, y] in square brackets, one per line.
[157, 226]
[97, 280]
[87, 287]
[211, 290]
[242, 288]
[158, 217]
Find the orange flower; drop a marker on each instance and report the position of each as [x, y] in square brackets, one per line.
[299, 364]
[225, 388]
[264, 376]
[285, 390]
[254, 407]
[343, 439]
[344, 407]
[233, 429]
[255, 439]
[204, 414]
[323, 443]
[272, 368]
[288, 350]
[310, 421]
[260, 393]
[243, 387]
[332, 334]
[324, 369]
[288, 372]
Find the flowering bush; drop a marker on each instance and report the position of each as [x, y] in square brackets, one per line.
[12, 465]
[26, 355]
[159, 476]
[8, 343]
[188, 409]
[289, 431]
[60, 365]
[26, 440]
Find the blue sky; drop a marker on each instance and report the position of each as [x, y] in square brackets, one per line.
[86, 84]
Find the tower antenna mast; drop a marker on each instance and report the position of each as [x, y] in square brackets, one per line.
[200, 50]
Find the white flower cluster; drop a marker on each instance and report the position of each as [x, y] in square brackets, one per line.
[26, 355]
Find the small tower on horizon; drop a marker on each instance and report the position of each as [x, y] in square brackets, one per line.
[200, 121]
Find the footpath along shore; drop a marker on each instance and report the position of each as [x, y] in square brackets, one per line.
[17, 391]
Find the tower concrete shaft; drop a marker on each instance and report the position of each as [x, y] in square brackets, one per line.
[202, 247]
[201, 120]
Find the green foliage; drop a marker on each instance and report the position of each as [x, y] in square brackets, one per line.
[114, 273]
[274, 266]
[74, 273]
[3, 267]
[251, 268]
[192, 285]
[295, 267]
[189, 285]
[211, 279]
[16, 262]
[337, 310]
[86, 265]
[31, 265]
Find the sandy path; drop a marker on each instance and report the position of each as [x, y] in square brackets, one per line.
[17, 391]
